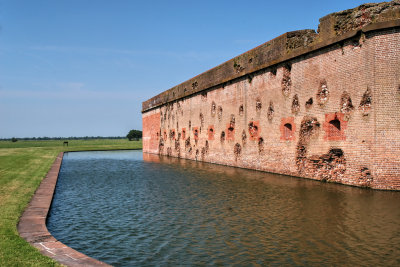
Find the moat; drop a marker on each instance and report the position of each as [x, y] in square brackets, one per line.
[129, 208]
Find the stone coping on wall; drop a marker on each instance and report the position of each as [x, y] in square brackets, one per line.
[333, 28]
[32, 224]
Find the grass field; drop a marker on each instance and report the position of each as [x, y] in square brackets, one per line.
[23, 165]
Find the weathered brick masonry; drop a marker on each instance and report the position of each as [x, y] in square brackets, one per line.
[323, 105]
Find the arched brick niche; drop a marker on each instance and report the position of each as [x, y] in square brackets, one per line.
[211, 132]
[287, 128]
[334, 127]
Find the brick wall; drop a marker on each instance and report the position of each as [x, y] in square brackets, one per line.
[387, 108]
[151, 131]
[330, 114]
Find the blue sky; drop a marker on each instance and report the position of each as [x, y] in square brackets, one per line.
[83, 68]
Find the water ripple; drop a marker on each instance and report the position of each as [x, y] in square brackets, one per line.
[127, 208]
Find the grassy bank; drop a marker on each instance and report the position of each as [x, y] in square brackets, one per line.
[23, 165]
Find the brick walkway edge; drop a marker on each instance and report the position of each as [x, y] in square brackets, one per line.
[32, 224]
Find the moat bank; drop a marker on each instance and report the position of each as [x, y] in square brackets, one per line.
[116, 207]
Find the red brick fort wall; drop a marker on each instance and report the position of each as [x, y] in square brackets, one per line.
[322, 106]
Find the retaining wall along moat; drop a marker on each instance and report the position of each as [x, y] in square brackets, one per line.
[323, 105]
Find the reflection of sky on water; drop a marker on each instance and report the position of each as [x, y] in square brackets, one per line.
[129, 208]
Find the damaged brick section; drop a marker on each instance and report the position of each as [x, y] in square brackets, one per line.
[213, 109]
[286, 80]
[241, 110]
[366, 102]
[204, 150]
[323, 93]
[201, 117]
[260, 145]
[237, 149]
[358, 17]
[183, 133]
[309, 127]
[244, 137]
[365, 179]
[258, 104]
[165, 135]
[178, 148]
[237, 67]
[230, 129]
[187, 143]
[195, 84]
[161, 145]
[295, 104]
[188, 146]
[271, 111]
[219, 113]
[222, 137]
[327, 167]
[309, 103]
[172, 134]
[302, 38]
[203, 153]
[346, 105]
[254, 130]
[232, 121]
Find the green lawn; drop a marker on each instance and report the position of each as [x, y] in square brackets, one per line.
[23, 165]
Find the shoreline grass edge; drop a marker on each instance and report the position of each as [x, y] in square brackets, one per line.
[32, 224]
[23, 166]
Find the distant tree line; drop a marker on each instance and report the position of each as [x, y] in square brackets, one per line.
[132, 135]
[61, 138]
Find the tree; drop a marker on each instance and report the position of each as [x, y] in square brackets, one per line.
[14, 139]
[134, 135]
